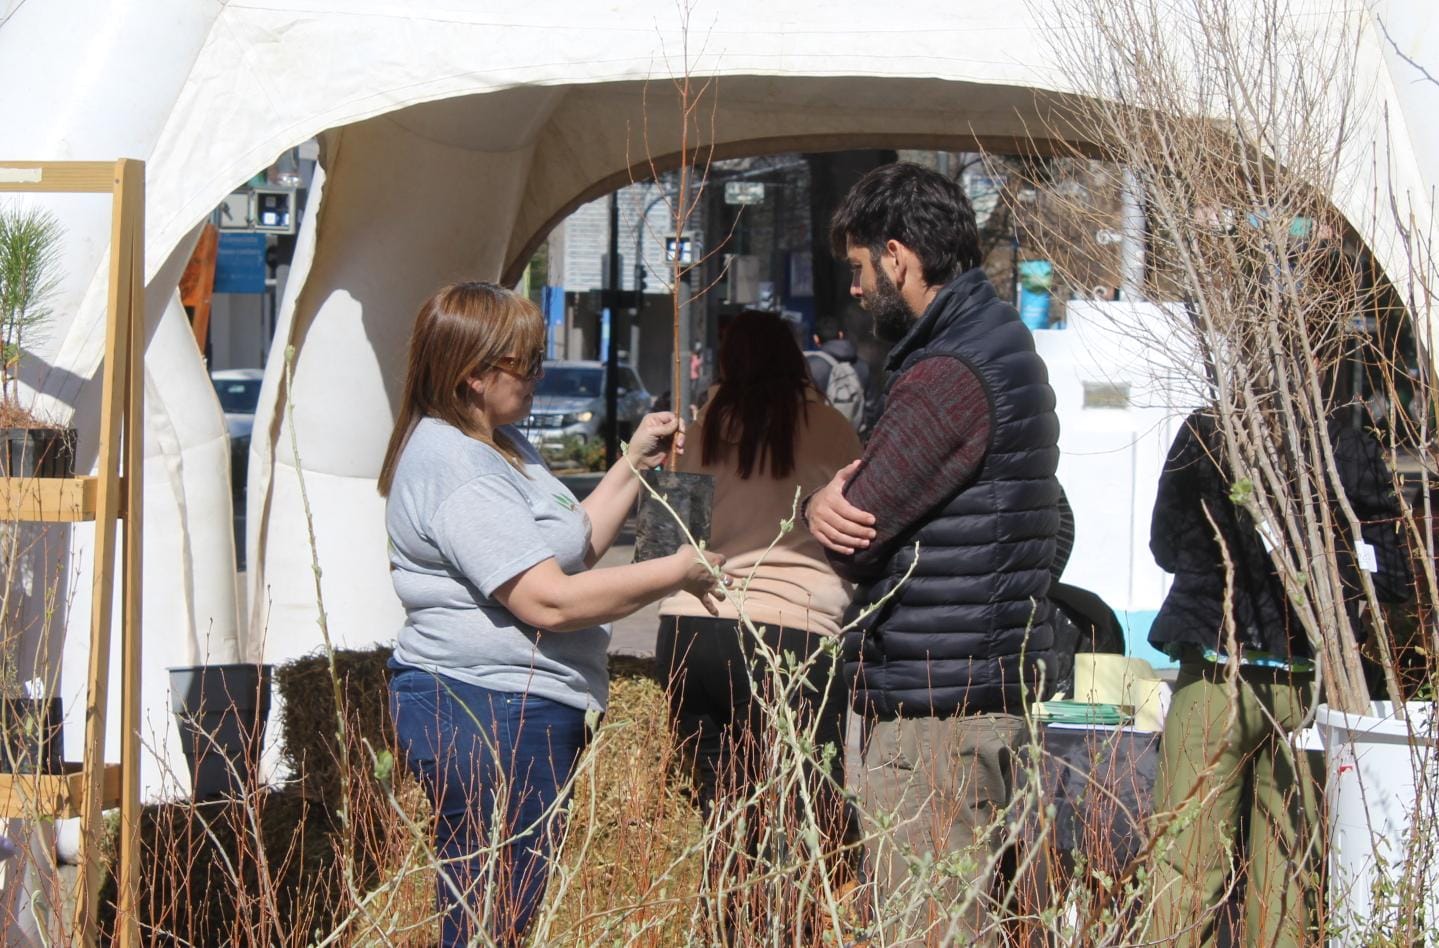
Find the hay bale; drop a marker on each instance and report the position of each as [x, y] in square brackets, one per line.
[308, 727]
[311, 747]
[636, 814]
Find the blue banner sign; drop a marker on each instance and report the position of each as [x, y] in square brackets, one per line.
[240, 263]
[552, 299]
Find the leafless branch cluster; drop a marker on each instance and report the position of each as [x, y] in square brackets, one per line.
[1233, 119]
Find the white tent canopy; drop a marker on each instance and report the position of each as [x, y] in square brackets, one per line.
[453, 136]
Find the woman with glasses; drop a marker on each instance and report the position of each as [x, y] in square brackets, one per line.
[501, 659]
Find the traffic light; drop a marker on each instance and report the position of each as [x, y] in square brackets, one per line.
[639, 302]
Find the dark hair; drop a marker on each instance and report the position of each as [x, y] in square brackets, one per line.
[920, 208]
[828, 328]
[762, 383]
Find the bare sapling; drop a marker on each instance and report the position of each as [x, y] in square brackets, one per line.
[1232, 122]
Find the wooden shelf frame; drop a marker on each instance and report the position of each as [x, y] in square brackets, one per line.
[48, 499]
[28, 796]
[114, 494]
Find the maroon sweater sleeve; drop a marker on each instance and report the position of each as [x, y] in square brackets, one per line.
[928, 444]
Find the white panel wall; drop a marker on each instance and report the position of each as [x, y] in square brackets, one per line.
[1110, 457]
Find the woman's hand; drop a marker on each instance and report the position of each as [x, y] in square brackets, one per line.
[651, 441]
[697, 579]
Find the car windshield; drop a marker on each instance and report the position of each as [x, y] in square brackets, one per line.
[571, 381]
[237, 396]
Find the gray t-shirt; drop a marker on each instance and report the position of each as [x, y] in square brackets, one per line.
[463, 522]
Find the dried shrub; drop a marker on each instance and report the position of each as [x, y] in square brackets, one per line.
[255, 871]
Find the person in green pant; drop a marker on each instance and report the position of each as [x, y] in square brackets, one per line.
[1234, 790]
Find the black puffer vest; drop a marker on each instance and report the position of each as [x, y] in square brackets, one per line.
[970, 631]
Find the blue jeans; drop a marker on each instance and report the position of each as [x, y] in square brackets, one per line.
[493, 764]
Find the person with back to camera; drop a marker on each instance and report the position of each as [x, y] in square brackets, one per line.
[502, 655]
[1245, 791]
[764, 432]
[839, 372]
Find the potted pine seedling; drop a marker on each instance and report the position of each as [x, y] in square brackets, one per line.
[29, 259]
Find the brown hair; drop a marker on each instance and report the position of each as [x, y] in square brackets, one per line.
[460, 331]
[758, 406]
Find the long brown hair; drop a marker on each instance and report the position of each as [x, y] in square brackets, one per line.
[763, 379]
[460, 330]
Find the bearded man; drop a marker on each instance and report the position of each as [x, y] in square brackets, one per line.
[959, 472]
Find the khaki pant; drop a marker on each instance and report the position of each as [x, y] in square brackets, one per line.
[1220, 779]
[934, 789]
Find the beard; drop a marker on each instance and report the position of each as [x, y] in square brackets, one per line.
[892, 317]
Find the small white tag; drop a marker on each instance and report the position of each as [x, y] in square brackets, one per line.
[1266, 534]
[1368, 562]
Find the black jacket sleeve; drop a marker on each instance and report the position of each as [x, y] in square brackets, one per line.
[1176, 498]
[1369, 485]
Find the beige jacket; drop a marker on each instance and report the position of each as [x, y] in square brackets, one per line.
[794, 586]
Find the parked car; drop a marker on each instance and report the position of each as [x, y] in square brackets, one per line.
[239, 393]
[570, 404]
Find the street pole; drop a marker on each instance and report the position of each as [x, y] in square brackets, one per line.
[612, 359]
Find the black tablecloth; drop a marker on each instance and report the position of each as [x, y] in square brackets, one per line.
[1100, 782]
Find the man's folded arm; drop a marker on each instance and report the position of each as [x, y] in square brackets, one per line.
[929, 443]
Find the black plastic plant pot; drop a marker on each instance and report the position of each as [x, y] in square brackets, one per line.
[220, 712]
[657, 531]
[33, 734]
[37, 452]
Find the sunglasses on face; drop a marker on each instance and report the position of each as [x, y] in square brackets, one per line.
[524, 368]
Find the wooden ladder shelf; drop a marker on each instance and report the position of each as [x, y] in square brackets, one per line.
[113, 495]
